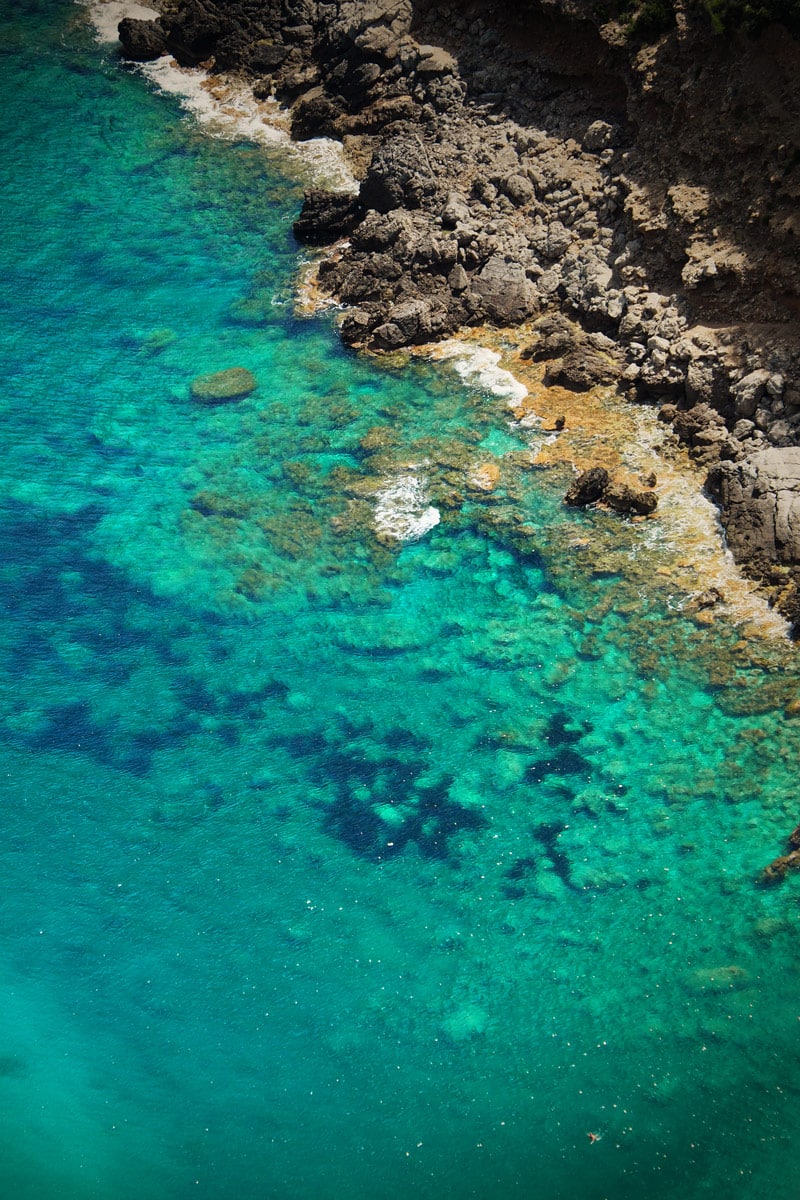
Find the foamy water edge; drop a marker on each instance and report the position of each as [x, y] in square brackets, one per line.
[402, 511]
[225, 106]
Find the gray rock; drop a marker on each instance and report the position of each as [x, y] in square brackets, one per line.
[266, 56]
[551, 240]
[555, 337]
[458, 279]
[455, 211]
[399, 176]
[518, 189]
[747, 392]
[708, 381]
[355, 327]
[586, 280]
[314, 114]
[582, 369]
[760, 500]
[505, 291]
[405, 323]
[689, 424]
[433, 60]
[628, 500]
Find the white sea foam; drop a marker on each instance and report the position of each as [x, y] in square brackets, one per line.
[478, 366]
[227, 107]
[402, 510]
[106, 15]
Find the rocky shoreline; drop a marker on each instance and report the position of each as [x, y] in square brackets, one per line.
[634, 205]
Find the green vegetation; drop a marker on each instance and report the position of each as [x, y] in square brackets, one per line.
[750, 16]
[648, 19]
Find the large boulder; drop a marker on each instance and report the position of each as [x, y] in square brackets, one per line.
[314, 114]
[505, 290]
[588, 488]
[267, 56]
[587, 286]
[708, 381]
[142, 41]
[630, 501]
[760, 500]
[406, 323]
[750, 392]
[597, 485]
[195, 31]
[582, 369]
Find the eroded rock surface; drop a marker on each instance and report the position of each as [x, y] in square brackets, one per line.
[760, 499]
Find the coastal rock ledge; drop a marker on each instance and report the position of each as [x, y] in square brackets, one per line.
[638, 177]
[760, 498]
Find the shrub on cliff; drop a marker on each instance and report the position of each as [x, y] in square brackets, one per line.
[647, 19]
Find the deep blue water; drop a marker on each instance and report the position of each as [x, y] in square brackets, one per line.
[336, 866]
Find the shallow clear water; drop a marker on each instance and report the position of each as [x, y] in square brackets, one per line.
[335, 865]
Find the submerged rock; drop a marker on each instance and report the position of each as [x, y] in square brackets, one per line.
[784, 864]
[216, 504]
[466, 1024]
[780, 867]
[715, 980]
[469, 212]
[484, 477]
[223, 387]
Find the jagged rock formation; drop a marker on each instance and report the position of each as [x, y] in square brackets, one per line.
[596, 485]
[524, 159]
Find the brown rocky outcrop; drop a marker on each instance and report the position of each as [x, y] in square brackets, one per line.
[588, 488]
[784, 864]
[595, 485]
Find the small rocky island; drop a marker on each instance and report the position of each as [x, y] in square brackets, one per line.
[624, 180]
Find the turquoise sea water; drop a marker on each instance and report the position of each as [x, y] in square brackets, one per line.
[335, 866]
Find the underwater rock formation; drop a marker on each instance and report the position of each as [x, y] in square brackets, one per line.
[784, 864]
[223, 387]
